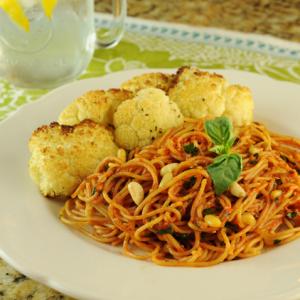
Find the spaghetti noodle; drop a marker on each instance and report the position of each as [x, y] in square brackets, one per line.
[170, 225]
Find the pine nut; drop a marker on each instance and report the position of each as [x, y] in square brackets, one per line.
[166, 178]
[276, 194]
[253, 150]
[248, 219]
[136, 192]
[212, 220]
[168, 168]
[236, 190]
[121, 154]
[111, 165]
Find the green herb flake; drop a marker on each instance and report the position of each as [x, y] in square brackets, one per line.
[232, 226]
[287, 160]
[183, 238]
[253, 162]
[191, 149]
[94, 191]
[189, 183]
[292, 214]
[167, 230]
[276, 242]
[209, 211]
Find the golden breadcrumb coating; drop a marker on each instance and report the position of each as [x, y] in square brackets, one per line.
[98, 106]
[201, 94]
[198, 94]
[148, 115]
[239, 105]
[61, 156]
[157, 80]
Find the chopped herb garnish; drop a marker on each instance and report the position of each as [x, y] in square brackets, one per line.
[207, 237]
[167, 230]
[189, 183]
[209, 211]
[256, 155]
[283, 157]
[287, 160]
[291, 214]
[278, 181]
[183, 238]
[191, 149]
[218, 206]
[233, 227]
[169, 256]
[94, 191]
[253, 161]
[276, 242]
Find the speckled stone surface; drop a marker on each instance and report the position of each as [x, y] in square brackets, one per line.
[280, 18]
[15, 286]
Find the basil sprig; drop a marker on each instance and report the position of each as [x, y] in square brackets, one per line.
[226, 168]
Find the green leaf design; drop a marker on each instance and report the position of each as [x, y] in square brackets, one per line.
[138, 50]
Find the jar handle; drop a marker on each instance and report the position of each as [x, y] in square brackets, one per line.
[112, 37]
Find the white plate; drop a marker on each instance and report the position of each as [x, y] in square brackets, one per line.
[33, 240]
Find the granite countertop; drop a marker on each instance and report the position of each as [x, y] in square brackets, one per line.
[280, 18]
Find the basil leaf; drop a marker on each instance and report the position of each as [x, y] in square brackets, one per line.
[219, 149]
[221, 132]
[224, 170]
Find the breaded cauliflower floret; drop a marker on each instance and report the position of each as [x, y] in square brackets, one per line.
[198, 94]
[144, 118]
[98, 106]
[157, 80]
[61, 156]
[239, 105]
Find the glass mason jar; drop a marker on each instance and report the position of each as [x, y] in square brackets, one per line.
[57, 50]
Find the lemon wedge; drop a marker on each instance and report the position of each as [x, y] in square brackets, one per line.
[15, 11]
[49, 6]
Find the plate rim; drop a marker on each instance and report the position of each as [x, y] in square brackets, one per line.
[40, 277]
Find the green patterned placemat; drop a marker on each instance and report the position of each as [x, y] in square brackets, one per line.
[157, 45]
